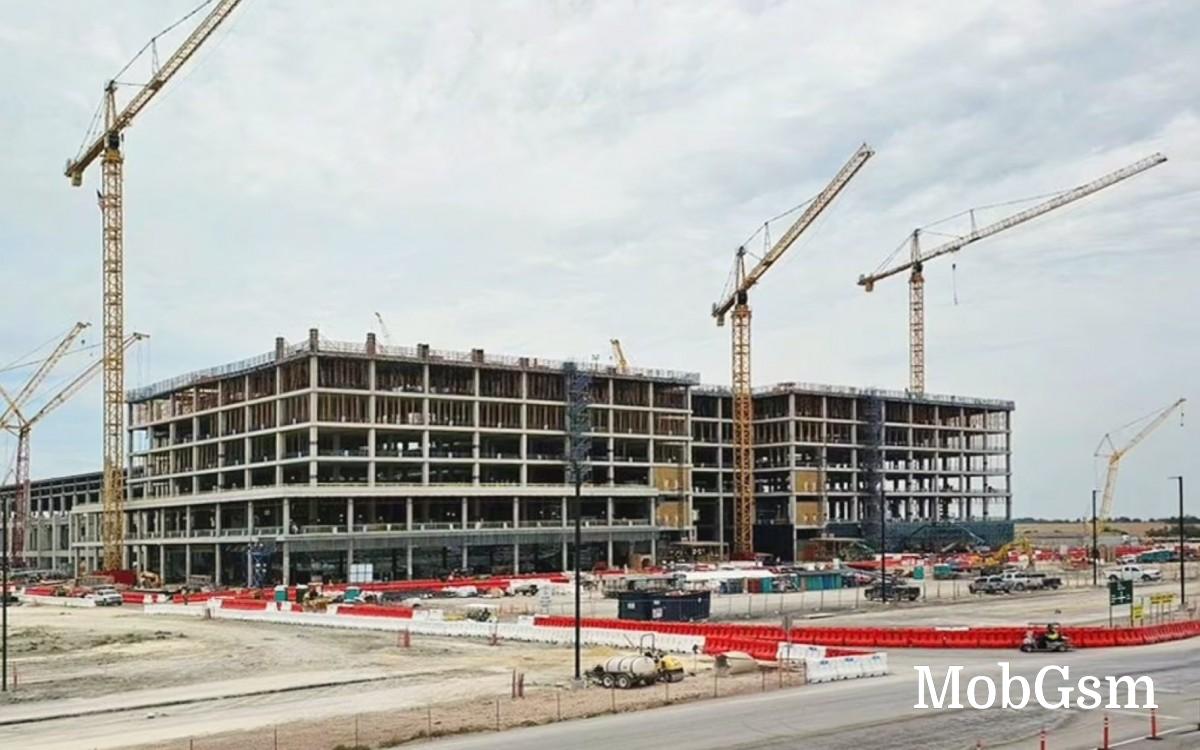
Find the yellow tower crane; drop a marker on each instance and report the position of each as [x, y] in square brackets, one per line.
[918, 257]
[1108, 450]
[737, 301]
[107, 147]
[23, 426]
[618, 353]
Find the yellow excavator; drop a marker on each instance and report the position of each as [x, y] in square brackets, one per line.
[996, 561]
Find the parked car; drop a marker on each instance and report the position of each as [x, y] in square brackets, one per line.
[1045, 581]
[892, 590]
[990, 585]
[1019, 580]
[105, 597]
[1134, 573]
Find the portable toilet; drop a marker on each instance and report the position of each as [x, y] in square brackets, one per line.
[281, 593]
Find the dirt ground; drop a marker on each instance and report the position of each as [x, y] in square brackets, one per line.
[60, 653]
[384, 729]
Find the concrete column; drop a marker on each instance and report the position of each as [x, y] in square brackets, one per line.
[609, 558]
[465, 515]
[187, 560]
[516, 517]
[217, 519]
[287, 564]
[187, 521]
[287, 515]
[349, 514]
[408, 524]
[464, 556]
[162, 562]
[217, 564]
[565, 555]
[408, 573]
[249, 517]
[654, 548]
[609, 518]
[565, 519]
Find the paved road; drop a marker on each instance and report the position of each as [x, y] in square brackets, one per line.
[870, 714]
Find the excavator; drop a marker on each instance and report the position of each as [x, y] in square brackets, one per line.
[995, 562]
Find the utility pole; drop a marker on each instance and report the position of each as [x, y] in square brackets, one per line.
[579, 448]
[4, 596]
[1095, 545]
[1182, 555]
[883, 546]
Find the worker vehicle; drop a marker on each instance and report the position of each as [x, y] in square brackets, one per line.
[1044, 581]
[893, 590]
[1052, 639]
[651, 666]
[1134, 573]
[990, 585]
[105, 597]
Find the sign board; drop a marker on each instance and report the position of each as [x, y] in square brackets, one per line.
[545, 598]
[1137, 611]
[1162, 598]
[1120, 592]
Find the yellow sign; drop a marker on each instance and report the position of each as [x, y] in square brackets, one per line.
[1162, 598]
[1138, 611]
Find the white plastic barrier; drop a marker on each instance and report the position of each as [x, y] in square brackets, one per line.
[796, 652]
[846, 667]
[57, 601]
[174, 609]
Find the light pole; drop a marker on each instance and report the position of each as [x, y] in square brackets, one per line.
[1095, 545]
[883, 545]
[4, 596]
[1182, 555]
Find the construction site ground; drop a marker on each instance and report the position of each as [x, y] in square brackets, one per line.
[115, 677]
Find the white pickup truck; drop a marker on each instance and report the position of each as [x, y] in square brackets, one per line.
[1134, 573]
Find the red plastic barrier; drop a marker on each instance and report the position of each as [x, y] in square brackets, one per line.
[373, 610]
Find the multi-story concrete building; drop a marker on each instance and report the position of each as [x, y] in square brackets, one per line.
[324, 454]
[48, 534]
[825, 457]
[417, 461]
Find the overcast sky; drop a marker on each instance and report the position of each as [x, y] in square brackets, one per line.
[535, 178]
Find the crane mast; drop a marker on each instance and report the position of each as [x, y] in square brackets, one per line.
[737, 305]
[1115, 455]
[618, 353]
[918, 257]
[107, 147]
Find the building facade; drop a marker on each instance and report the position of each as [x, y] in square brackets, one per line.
[827, 457]
[322, 455]
[420, 462]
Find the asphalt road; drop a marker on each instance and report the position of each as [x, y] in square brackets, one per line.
[878, 713]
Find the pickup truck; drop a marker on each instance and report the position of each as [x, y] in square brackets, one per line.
[894, 591]
[1043, 581]
[1020, 581]
[990, 585]
[1134, 573]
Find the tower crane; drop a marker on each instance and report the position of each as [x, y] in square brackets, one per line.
[107, 147]
[383, 330]
[737, 305]
[918, 258]
[23, 428]
[618, 354]
[39, 375]
[1114, 455]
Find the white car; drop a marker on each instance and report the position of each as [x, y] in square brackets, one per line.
[105, 597]
[1134, 573]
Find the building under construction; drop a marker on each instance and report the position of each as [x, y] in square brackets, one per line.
[826, 458]
[321, 455]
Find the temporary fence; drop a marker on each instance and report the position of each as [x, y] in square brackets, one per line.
[884, 638]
